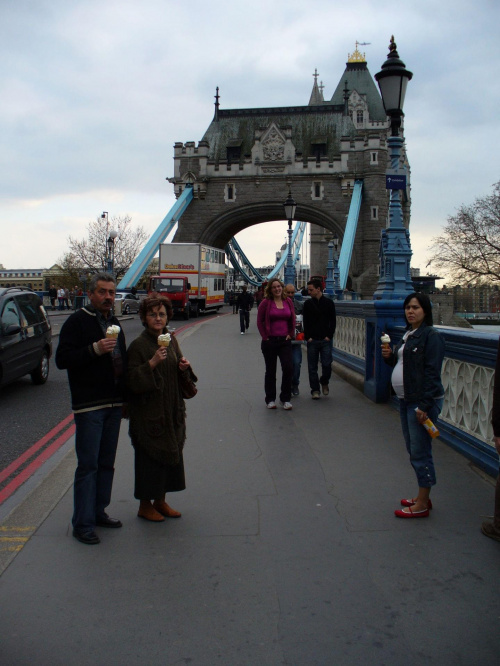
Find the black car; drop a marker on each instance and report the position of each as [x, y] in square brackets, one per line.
[25, 336]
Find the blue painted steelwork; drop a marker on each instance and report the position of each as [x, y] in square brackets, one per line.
[142, 261]
[237, 248]
[237, 267]
[297, 236]
[350, 233]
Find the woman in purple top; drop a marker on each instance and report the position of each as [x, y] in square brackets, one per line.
[276, 324]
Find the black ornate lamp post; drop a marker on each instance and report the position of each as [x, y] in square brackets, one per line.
[395, 251]
[290, 206]
[110, 245]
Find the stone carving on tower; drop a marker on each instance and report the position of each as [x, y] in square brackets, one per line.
[273, 145]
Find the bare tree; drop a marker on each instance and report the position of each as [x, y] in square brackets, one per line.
[469, 248]
[91, 255]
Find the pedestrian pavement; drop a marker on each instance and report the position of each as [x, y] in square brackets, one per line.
[287, 552]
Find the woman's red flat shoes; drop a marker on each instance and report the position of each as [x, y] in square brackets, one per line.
[411, 502]
[399, 513]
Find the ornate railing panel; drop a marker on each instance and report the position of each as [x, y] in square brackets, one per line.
[468, 398]
[350, 336]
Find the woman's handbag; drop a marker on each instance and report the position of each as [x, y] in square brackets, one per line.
[187, 385]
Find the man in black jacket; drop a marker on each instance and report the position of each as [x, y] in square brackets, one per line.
[319, 328]
[244, 304]
[95, 364]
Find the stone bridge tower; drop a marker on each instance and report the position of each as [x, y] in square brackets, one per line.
[247, 160]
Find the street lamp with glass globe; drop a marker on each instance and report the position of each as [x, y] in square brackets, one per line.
[395, 252]
[110, 244]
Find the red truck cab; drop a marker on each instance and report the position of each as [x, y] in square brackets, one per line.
[177, 290]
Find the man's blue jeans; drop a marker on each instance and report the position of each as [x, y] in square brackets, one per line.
[297, 362]
[418, 441]
[96, 440]
[319, 350]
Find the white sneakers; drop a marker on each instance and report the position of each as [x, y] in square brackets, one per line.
[285, 405]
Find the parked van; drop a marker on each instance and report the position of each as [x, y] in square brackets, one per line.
[25, 336]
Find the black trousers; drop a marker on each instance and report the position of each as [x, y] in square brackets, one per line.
[244, 320]
[272, 351]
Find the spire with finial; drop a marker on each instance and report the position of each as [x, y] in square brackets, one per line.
[356, 56]
[217, 98]
[317, 91]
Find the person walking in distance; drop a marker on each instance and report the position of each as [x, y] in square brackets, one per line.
[319, 329]
[244, 304]
[53, 296]
[92, 350]
[60, 297]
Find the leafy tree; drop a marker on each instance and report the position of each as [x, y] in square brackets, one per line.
[90, 255]
[469, 247]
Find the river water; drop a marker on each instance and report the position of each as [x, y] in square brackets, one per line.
[485, 328]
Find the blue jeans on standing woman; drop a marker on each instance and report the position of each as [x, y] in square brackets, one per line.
[96, 439]
[319, 350]
[418, 441]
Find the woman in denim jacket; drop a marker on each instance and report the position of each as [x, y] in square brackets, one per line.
[416, 380]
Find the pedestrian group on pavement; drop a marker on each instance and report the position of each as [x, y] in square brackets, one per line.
[147, 384]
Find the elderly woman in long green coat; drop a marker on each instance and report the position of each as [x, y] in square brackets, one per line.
[157, 410]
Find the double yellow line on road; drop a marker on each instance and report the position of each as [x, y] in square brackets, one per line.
[13, 538]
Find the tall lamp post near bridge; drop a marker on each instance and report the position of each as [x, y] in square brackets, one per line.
[332, 282]
[110, 244]
[395, 251]
[290, 207]
[330, 267]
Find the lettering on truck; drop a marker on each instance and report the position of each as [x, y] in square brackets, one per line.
[178, 267]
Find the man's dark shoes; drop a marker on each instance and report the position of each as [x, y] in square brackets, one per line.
[489, 530]
[106, 521]
[89, 537]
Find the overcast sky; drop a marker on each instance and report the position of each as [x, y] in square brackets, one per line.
[95, 93]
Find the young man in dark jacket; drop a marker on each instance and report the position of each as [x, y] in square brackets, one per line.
[319, 328]
[244, 303]
[95, 364]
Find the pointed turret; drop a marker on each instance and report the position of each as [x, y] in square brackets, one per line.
[317, 92]
[357, 77]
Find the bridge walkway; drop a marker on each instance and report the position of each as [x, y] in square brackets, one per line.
[287, 552]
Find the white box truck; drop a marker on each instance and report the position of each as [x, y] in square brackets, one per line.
[192, 275]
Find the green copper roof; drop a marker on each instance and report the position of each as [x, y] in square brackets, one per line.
[359, 78]
[309, 124]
